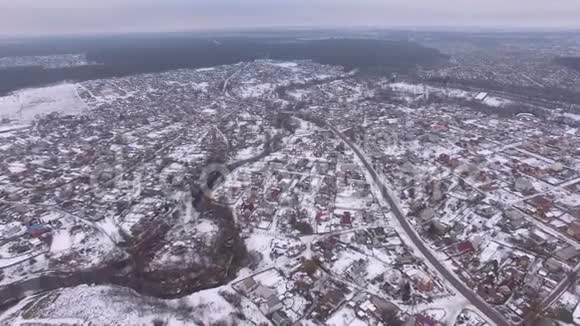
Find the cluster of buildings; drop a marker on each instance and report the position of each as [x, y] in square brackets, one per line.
[306, 294]
[46, 62]
[311, 186]
[510, 62]
[496, 200]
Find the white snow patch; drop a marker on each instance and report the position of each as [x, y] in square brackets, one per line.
[495, 101]
[207, 227]
[25, 105]
[61, 241]
[284, 64]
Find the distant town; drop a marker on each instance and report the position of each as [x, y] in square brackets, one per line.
[274, 192]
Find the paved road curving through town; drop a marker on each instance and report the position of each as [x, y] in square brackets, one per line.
[473, 298]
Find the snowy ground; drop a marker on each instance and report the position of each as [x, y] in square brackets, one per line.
[425, 90]
[84, 305]
[25, 105]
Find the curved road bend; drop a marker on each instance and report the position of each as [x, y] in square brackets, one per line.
[473, 298]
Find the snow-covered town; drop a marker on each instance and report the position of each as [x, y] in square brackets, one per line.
[286, 193]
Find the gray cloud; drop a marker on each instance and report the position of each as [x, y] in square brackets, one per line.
[93, 16]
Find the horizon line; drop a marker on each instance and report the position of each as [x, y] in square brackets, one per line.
[460, 29]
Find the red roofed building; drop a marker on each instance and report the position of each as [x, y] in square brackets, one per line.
[439, 127]
[421, 320]
[454, 163]
[542, 203]
[425, 285]
[346, 219]
[274, 194]
[321, 216]
[465, 247]
[250, 206]
[574, 230]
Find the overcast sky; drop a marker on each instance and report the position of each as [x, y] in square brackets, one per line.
[105, 16]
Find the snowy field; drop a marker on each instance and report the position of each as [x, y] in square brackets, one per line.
[288, 65]
[422, 89]
[84, 305]
[25, 105]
